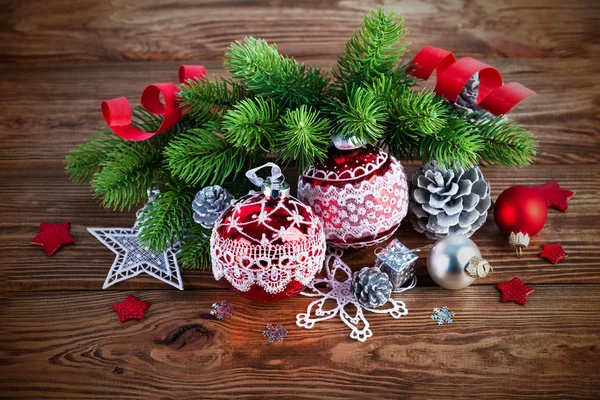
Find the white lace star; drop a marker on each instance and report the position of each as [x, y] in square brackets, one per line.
[133, 259]
[330, 291]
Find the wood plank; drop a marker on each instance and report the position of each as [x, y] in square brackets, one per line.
[48, 109]
[40, 191]
[67, 345]
[90, 30]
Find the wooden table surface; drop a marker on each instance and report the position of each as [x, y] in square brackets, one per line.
[59, 337]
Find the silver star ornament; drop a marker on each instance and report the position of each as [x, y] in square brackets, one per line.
[132, 258]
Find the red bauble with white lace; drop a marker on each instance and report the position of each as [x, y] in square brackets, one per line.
[268, 245]
[361, 194]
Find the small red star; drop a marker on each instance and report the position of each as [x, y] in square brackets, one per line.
[553, 252]
[131, 308]
[52, 236]
[554, 195]
[515, 291]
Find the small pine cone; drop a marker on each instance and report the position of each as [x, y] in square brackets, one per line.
[209, 204]
[448, 202]
[371, 287]
[467, 99]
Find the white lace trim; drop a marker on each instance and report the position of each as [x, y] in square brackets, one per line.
[339, 292]
[365, 209]
[260, 261]
[358, 172]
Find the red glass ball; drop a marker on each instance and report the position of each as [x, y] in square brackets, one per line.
[267, 249]
[360, 194]
[520, 209]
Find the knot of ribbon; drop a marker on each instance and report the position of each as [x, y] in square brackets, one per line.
[453, 74]
[117, 112]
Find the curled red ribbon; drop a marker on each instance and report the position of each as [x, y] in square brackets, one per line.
[117, 112]
[453, 74]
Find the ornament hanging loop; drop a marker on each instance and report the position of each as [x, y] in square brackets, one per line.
[273, 186]
[519, 241]
[478, 267]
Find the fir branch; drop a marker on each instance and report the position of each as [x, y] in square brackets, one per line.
[252, 124]
[268, 74]
[194, 254]
[456, 144]
[201, 156]
[360, 114]
[422, 112]
[305, 137]
[373, 50]
[164, 219]
[87, 159]
[207, 100]
[504, 142]
[127, 174]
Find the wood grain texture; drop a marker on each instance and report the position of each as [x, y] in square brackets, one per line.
[59, 337]
[37, 30]
[70, 343]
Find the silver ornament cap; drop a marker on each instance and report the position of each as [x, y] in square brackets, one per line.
[449, 259]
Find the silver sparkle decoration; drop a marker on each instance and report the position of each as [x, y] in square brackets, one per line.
[442, 315]
[209, 204]
[222, 310]
[398, 262]
[448, 260]
[132, 258]
[275, 332]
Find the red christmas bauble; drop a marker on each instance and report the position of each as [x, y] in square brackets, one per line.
[268, 247]
[520, 209]
[361, 195]
[520, 212]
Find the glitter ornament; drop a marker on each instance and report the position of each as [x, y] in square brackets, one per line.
[455, 261]
[53, 236]
[520, 212]
[514, 290]
[553, 253]
[131, 308]
[360, 193]
[268, 245]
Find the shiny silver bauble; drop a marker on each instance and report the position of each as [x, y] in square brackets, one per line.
[448, 260]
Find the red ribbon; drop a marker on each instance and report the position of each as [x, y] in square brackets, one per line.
[117, 112]
[453, 74]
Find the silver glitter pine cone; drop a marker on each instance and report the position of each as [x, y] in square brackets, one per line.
[209, 204]
[448, 201]
[371, 287]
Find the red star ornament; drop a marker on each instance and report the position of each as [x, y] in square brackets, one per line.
[554, 195]
[553, 252]
[53, 236]
[515, 291]
[131, 308]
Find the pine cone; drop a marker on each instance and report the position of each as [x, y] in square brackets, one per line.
[371, 287]
[448, 202]
[467, 99]
[209, 204]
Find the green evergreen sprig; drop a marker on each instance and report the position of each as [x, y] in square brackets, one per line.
[504, 142]
[455, 144]
[361, 114]
[165, 219]
[372, 51]
[86, 160]
[207, 100]
[252, 124]
[304, 137]
[266, 73]
[194, 253]
[203, 156]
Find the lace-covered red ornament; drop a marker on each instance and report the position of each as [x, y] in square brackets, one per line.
[268, 245]
[361, 194]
